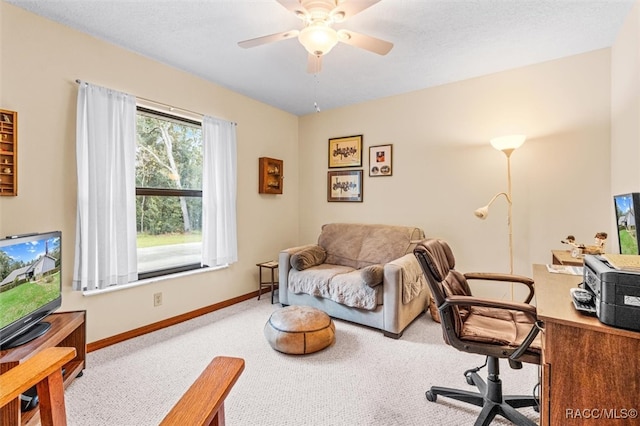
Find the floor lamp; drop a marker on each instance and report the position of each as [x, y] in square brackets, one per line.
[506, 144]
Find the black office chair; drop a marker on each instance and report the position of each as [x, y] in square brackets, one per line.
[494, 328]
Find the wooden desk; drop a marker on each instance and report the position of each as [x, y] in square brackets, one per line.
[563, 257]
[590, 371]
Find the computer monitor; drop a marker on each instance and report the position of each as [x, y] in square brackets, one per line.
[627, 208]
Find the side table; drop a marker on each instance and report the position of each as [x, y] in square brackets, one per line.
[272, 265]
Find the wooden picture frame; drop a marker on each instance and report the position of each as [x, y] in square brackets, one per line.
[345, 152]
[380, 160]
[344, 185]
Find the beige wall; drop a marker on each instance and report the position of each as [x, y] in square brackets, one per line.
[625, 109]
[580, 127]
[40, 62]
[444, 167]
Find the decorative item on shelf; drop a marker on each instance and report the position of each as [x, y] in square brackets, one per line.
[345, 152]
[506, 144]
[380, 160]
[9, 152]
[271, 176]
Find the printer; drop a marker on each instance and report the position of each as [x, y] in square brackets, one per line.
[616, 292]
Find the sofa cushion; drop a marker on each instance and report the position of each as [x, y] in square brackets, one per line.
[308, 257]
[315, 280]
[358, 245]
[372, 275]
[341, 284]
[348, 289]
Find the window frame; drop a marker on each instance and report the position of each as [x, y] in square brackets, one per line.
[168, 192]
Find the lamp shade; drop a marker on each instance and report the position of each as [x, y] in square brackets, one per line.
[509, 142]
[318, 38]
[482, 212]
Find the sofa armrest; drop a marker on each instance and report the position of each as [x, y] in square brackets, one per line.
[293, 250]
[413, 281]
[403, 281]
[284, 266]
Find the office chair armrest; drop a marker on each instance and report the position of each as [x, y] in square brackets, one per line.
[510, 278]
[537, 326]
[488, 303]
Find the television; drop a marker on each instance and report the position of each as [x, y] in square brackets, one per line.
[627, 214]
[30, 285]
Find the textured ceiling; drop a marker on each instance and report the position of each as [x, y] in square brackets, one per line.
[435, 42]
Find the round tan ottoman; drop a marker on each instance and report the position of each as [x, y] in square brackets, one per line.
[299, 330]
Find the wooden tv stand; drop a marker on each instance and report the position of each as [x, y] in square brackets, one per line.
[67, 330]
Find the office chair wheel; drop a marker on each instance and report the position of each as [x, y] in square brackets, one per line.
[431, 396]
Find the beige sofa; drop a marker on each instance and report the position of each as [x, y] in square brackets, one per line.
[363, 273]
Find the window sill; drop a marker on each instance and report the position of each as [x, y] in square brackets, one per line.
[151, 280]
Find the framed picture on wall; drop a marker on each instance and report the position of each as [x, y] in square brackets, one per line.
[345, 152]
[345, 185]
[380, 160]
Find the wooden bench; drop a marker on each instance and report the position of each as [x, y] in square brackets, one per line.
[203, 403]
[43, 370]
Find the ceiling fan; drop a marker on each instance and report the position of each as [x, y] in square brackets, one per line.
[318, 36]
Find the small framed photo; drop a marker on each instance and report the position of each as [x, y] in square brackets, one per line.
[380, 160]
[345, 152]
[345, 185]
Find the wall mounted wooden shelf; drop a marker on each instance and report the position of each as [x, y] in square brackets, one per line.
[270, 175]
[8, 152]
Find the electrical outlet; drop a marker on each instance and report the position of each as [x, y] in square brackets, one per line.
[157, 299]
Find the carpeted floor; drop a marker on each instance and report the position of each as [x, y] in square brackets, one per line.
[363, 379]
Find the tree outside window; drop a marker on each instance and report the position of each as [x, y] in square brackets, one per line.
[168, 193]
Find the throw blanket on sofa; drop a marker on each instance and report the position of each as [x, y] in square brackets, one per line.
[342, 284]
[413, 281]
[359, 246]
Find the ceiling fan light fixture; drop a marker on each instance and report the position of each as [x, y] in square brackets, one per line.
[318, 39]
[344, 36]
[338, 16]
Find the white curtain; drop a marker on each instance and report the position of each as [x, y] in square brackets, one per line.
[105, 252]
[219, 189]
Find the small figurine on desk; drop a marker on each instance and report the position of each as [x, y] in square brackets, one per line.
[576, 250]
[579, 249]
[601, 240]
[571, 240]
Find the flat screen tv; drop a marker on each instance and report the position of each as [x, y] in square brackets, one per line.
[30, 285]
[627, 214]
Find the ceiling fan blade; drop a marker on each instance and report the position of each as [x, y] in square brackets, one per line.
[268, 39]
[372, 44]
[351, 7]
[314, 64]
[293, 6]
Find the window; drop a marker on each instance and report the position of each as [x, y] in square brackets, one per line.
[168, 193]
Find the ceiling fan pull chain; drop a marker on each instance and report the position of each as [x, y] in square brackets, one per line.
[315, 95]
